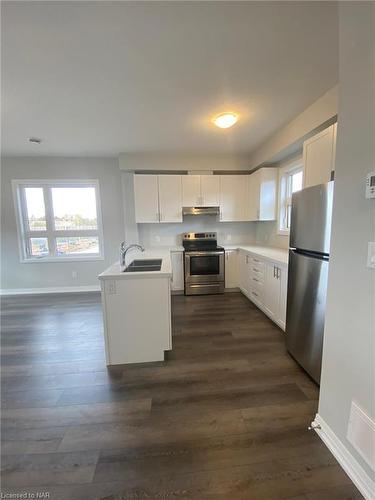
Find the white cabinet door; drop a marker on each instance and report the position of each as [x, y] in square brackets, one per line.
[244, 270]
[318, 157]
[170, 198]
[283, 277]
[146, 198]
[267, 196]
[177, 259]
[191, 191]
[262, 186]
[334, 146]
[210, 190]
[253, 183]
[272, 291]
[233, 198]
[231, 269]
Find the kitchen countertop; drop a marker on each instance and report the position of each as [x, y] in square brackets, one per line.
[274, 254]
[115, 271]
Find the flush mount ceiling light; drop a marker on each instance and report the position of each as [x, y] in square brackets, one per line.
[35, 140]
[225, 120]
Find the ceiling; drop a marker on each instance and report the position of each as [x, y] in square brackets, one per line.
[100, 78]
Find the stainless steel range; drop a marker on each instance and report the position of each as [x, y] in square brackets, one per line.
[204, 264]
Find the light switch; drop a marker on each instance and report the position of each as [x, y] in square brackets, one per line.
[371, 255]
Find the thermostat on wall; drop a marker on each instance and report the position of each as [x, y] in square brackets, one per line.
[370, 185]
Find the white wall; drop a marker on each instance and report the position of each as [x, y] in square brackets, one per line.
[348, 371]
[289, 139]
[267, 235]
[181, 162]
[170, 234]
[15, 275]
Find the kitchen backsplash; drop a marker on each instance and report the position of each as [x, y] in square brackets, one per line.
[170, 234]
[266, 235]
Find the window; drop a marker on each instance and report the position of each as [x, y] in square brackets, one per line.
[58, 220]
[291, 181]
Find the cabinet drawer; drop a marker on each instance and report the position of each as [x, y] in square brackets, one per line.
[256, 295]
[257, 272]
[257, 263]
[256, 281]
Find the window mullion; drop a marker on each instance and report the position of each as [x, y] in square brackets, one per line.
[50, 222]
[24, 222]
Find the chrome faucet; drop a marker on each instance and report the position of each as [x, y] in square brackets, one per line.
[124, 250]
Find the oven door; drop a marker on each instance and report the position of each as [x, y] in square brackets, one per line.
[204, 267]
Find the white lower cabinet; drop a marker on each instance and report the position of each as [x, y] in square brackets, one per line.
[231, 268]
[265, 284]
[244, 272]
[272, 291]
[177, 260]
[281, 319]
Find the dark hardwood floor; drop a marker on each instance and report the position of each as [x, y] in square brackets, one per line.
[225, 417]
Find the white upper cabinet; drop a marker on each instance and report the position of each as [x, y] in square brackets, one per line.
[233, 198]
[262, 186]
[170, 198]
[146, 198]
[200, 190]
[319, 157]
[210, 190]
[158, 198]
[191, 190]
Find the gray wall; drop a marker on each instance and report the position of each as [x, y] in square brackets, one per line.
[15, 275]
[349, 345]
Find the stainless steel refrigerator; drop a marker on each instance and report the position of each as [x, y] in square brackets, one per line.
[310, 233]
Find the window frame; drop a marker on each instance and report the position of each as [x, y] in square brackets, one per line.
[24, 233]
[285, 174]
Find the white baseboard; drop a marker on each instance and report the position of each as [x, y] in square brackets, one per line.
[38, 291]
[347, 461]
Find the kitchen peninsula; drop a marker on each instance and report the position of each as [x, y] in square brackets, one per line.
[137, 311]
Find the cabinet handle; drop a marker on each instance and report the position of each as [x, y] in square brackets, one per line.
[256, 260]
[247, 259]
[256, 270]
[278, 273]
[254, 293]
[256, 280]
[274, 271]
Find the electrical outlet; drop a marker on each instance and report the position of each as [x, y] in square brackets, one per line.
[74, 275]
[157, 239]
[111, 288]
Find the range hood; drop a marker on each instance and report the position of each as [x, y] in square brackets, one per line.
[200, 210]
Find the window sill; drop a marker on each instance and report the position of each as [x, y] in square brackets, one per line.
[62, 259]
